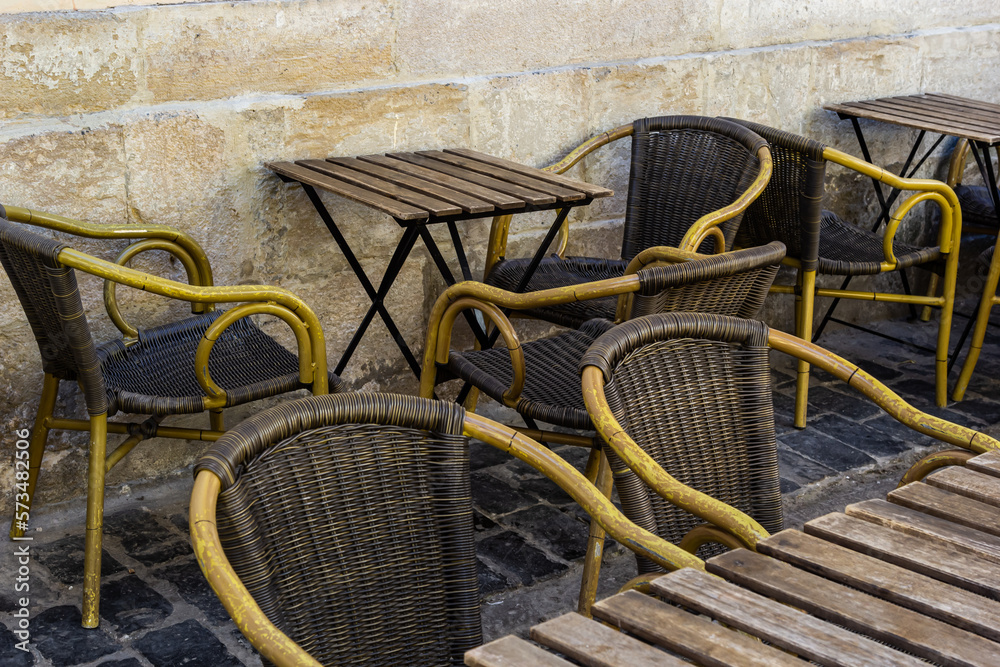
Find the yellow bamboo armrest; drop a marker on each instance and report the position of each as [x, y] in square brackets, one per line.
[213, 294]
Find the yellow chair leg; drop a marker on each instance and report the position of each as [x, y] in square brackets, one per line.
[216, 420]
[95, 521]
[944, 328]
[925, 314]
[599, 472]
[986, 303]
[36, 445]
[803, 325]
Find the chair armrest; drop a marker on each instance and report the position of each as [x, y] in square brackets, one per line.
[885, 398]
[211, 295]
[584, 493]
[273, 644]
[707, 225]
[741, 526]
[947, 223]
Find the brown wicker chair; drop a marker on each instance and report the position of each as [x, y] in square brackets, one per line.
[207, 362]
[539, 379]
[978, 213]
[338, 529]
[821, 243]
[691, 178]
[683, 404]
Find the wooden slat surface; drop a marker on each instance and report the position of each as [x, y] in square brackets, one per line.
[494, 171]
[891, 582]
[597, 645]
[950, 537]
[510, 651]
[967, 482]
[774, 622]
[533, 197]
[914, 553]
[944, 504]
[896, 626]
[432, 205]
[468, 203]
[945, 114]
[311, 177]
[988, 463]
[594, 191]
[694, 637]
[499, 199]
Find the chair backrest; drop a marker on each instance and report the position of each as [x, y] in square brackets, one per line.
[349, 519]
[790, 207]
[693, 390]
[51, 301]
[732, 283]
[682, 168]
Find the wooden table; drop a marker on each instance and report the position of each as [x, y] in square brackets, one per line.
[919, 573]
[427, 187]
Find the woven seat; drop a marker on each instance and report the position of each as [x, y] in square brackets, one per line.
[734, 283]
[338, 529]
[977, 207]
[211, 360]
[683, 404]
[688, 175]
[821, 243]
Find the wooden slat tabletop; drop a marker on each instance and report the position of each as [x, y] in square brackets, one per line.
[883, 583]
[934, 112]
[427, 186]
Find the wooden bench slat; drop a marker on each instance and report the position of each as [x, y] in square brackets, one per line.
[967, 482]
[394, 208]
[597, 645]
[532, 197]
[432, 205]
[694, 637]
[498, 199]
[467, 202]
[897, 626]
[913, 553]
[594, 191]
[774, 622]
[944, 504]
[511, 651]
[860, 110]
[485, 168]
[988, 463]
[949, 536]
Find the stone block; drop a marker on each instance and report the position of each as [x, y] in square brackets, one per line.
[57, 64]
[524, 561]
[185, 643]
[215, 50]
[767, 86]
[132, 605]
[143, 538]
[59, 637]
[64, 560]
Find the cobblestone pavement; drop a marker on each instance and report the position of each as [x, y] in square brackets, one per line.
[157, 609]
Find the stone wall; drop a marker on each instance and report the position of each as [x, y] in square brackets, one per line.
[167, 114]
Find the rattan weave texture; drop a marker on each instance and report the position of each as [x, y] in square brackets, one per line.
[977, 207]
[682, 168]
[351, 525]
[694, 391]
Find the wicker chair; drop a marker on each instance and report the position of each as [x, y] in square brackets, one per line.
[207, 362]
[539, 378]
[690, 179]
[338, 529]
[682, 402]
[978, 213]
[821, 243]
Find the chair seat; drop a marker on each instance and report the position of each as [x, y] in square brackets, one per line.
[552, 390]
[556, 272]
[156, 375]
[977, 209]
[849, 250]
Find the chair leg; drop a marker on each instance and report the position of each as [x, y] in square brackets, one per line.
[216, 420]
[804, 302]
[599, 473]
[925, 314]
[944, 329]
[979, 333]
[95, 521]
[36, 445]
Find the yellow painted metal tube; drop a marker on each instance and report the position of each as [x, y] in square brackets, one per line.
[782, 289]
[705, 534]
[804, 303]
[175, 249]
[36, 445]
[598, 472]
[917, 299]
[589, 146]
[64, 424]
[883, 396]
[88, 230]
[554, 438]
[200, 294]
[986, 303]
[897, 217]
[743, 527]
[95, 521]
[585, 494]
[272, 643]
[224, 321]
[698, 231]
[932, 462]
[112, 459]
[497, 246]
[956, 164]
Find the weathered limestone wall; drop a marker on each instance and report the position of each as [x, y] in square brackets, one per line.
[167, 114]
